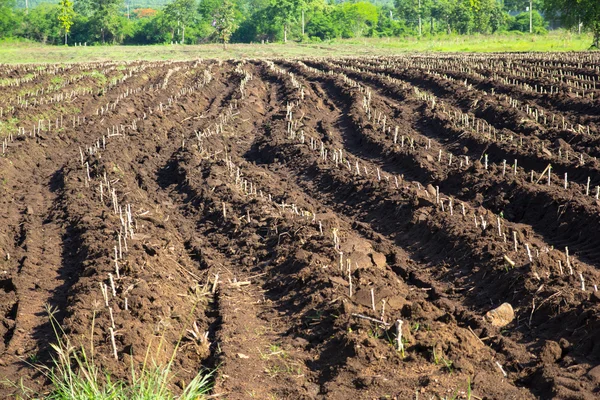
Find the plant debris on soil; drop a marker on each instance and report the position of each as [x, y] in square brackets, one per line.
[413, 227]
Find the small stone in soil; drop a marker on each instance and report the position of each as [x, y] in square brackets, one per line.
[500, 316]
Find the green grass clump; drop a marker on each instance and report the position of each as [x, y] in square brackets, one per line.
[76, 375]
[8, 126]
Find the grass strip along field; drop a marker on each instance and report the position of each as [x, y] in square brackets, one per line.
[16, 52]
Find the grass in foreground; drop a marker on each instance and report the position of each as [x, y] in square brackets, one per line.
[15, 52]
[75, 375]
[82, 380]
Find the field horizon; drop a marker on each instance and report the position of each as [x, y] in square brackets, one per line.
[555, 41]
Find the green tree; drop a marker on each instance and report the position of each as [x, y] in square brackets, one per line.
[442, 11]
[83, 7]
[575, 12]
[261, 25]
[225, 21]
[42, 24]
[322, 26]
[487, 15]
[462, 18]
[182, 13]
[105, 17]
[359, 16]
[150, 30]
[7, 18]
[66, 16]
[414, 12]
[205, 18]
[207, 8]
[287, 12]
[521, 23]
[387, 26]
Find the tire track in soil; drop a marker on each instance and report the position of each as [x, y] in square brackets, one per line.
[45, 259]
[43, 272]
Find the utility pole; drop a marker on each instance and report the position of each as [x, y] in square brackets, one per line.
[302, 23]
[530, 16]
[26, 6]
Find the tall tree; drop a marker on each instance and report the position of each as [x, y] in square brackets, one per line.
[181, 12]
[358, 16]
[442, 11]
[414, 12]
[575, 12]
[42, 24]
[66, 16]
[287, 12]
[224, 21]
[7, 17]
[104, 14]
[83, 7]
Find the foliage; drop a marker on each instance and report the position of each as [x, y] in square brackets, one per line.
[260, 26]
[151, 30]
[286, 12]
[521, 22]
[224, 21]
[461, 16]
[66, 16]
[575, 12]
[105, 21]
[8, 20]
[357, 18]
[522, 5]
[42, 24]
[322, 26]
[201, 21]
[411, 10]
[180, 14]
[145, 12]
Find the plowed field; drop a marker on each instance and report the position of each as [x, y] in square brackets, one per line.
[313, 229]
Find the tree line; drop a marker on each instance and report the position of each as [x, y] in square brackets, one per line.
[204, 21]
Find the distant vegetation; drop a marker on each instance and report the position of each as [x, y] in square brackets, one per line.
[245, 21]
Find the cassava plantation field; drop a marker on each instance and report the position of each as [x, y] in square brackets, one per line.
[307, 229]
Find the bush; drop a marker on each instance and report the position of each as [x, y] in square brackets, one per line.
[321, 26]
[521, 23]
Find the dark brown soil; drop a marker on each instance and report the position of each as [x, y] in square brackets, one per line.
[275, 218]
